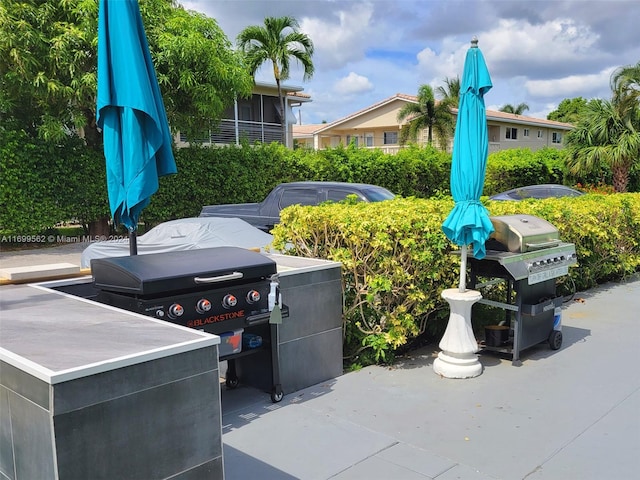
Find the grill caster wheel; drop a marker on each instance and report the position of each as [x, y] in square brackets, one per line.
[277, 394]
[555, 339]
[231, 383]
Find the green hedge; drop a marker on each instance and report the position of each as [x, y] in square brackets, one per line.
[44, 183]
[396, 260]
[520, 167]
[215, 175]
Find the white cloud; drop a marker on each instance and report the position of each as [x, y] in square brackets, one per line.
[570, 86]
[553, 48]
[353, 84]
[341, 42]
[538, 53]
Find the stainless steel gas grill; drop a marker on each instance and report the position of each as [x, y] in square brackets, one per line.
[525, 252]
[217, 290]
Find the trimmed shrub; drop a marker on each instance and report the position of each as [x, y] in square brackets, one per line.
[396, 260]
[520, 167]
[43, 183]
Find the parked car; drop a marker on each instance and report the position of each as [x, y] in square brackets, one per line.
[266, 214]
[183, 234]
[537, 191]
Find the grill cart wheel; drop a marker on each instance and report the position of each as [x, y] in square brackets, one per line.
[555, 339]
[277, 394]
[231, 383]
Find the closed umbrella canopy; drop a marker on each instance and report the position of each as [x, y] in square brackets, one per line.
[468, 222]
[130, 112]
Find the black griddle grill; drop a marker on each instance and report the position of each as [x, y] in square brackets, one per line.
[216, 290]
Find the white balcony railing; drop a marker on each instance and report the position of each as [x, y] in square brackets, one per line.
[225, 134]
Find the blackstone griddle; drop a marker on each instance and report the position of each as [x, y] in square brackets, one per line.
[217, 290]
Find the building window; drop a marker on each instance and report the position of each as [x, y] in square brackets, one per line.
[244, 113]
[368, 139]
[352, 139]
[390, 138]
[539, 133]
[512, 133]
[526, 132]
[556, 137]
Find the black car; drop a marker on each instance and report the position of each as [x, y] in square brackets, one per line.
[537, 191]
[266, 214]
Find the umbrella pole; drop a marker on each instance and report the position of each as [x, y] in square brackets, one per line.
[462, 286]
[133, 242]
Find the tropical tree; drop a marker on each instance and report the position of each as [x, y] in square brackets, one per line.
[277, 41]
[48, 54]
[568, 110]
[450, 92]
[48, 81]
[625, 84]
[609, 130]
[516, 110]
[427, 113]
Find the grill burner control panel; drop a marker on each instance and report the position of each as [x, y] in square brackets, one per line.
[210, 306]
[550, 266]
[213, 310]
[204, 305]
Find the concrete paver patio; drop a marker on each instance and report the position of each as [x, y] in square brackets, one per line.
[562, 415]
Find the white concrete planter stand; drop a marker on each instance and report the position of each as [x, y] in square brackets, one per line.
[458, 357]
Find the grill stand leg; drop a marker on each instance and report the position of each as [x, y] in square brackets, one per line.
[231, 377]
[458, 357]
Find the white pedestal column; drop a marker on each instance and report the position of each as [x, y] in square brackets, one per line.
[458, 357]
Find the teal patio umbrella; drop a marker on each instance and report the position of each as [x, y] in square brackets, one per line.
[468, 222]
[130, 112]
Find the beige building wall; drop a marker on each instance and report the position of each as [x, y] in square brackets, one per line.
[369, 126]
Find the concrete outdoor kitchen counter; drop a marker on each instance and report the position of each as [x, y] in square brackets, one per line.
[83, 385]
[86, 391]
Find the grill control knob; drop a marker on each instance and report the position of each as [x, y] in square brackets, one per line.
[253, 296]
[175, 310]
[229, 301]
[159, 313]
[203, 305]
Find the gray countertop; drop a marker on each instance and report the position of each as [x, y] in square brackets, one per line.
[57, 337]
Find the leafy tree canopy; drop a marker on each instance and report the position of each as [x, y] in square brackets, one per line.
[568, 110]
[48, 56]
[608, 131]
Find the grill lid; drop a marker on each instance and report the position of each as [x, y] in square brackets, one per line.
[167, 273]
[524, 233]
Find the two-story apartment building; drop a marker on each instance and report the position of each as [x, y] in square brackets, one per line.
[377, 126]
[257, 118]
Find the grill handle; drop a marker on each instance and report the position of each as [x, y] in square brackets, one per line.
[550, 243]
[219, 278]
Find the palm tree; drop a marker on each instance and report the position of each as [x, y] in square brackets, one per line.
[427, 113]
[277, 42]
[517, 110]
[450, 92]
[609, 131]
[625, 84]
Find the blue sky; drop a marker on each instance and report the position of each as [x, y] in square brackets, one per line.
[538, 52]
